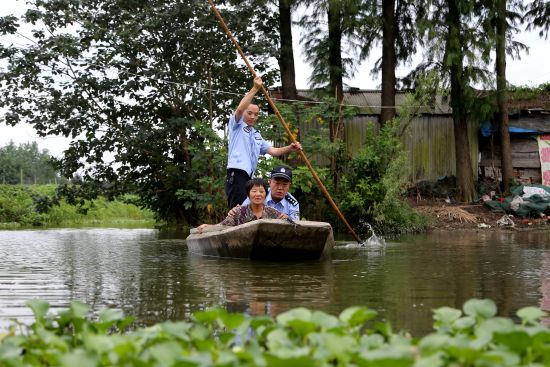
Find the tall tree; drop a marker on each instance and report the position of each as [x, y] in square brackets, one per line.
[502, 96]
[459, 95]
[393, 24]
[329, 27]
[336, 66]
[389, 61]
[458, 48]
[501, 23]
[127, 80]
[286, 54]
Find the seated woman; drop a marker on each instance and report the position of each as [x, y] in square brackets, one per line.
[256, 189]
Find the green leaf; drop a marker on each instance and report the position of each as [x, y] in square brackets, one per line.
[531, 314]
[434, 360]
[232, 320]
[373, 341]
[166, 353]
[303, 361]
[302, 327]
[80, 358]
[499, 358]
[299, 319]
[388, 357]
[332, 346]
[98, 343]
[179, 330]
[278, 339]
[445, 316]
[356, 316]
[39, 308]
[433, 343]
[110, 315]
[9, 351]
[517, 340]
[464, 323]
[208, 316]
[480, 308]
[324, 320]
[79, 309]
[302, 314]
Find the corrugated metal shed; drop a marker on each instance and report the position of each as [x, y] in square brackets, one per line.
[368, 101]
[539, 124]
[429, 140]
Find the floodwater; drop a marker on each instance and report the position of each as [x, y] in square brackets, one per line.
[151, 276]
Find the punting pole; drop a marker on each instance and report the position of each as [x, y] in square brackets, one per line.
[289, 133]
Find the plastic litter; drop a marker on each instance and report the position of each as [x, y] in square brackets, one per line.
[506, 221]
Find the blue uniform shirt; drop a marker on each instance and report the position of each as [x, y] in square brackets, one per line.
[288, 205]
[245, 146]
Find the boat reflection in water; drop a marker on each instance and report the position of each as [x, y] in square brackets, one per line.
[262, 288]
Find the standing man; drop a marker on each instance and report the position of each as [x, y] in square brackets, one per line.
[245, 147]
[278, 196]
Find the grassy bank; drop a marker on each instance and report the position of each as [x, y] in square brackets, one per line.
[23, 206]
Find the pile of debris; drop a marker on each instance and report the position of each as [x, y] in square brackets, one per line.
[524, 201]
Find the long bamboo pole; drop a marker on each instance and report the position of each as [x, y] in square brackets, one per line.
[276, 110]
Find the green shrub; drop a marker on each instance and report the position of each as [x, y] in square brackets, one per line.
[373, 186]
[36, 205]
[473, 336]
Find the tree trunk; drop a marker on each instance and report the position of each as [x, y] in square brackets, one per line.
[336, 72]
[502, 99]
[464, 172]
[286, 58]
[387, 111]
[335, 50]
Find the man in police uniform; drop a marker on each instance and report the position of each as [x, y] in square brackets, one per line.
[278, 196]
[245, 147]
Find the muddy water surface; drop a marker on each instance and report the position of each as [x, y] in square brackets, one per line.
[152, 276]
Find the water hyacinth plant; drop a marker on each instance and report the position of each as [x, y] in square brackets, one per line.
[473, 336]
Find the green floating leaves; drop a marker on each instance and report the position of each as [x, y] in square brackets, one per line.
[298, 337]
[516, 340]
[480, 308]
[357, 316]
[446, 316]
[39, 308]
[531, 314]
[166, 353]
[80, 358]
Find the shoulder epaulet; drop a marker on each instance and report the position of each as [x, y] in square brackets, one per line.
[291, 199]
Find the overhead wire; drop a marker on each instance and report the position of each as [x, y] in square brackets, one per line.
[160, 80]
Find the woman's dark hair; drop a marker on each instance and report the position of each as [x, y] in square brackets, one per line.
[255, 182]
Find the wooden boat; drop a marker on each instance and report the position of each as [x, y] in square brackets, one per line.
[265, 239]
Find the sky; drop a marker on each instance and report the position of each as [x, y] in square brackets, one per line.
[533, 69]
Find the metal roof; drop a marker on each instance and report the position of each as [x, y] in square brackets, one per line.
[368, 102]
[540, 123]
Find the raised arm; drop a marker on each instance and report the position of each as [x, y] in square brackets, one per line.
[248, 97]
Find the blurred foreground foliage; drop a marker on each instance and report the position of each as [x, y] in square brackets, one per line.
[473, 336]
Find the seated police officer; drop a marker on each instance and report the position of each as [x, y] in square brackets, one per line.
[278, 196]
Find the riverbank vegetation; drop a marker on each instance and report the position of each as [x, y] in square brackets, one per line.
[473, 336]
[146, 117]
[39, 205]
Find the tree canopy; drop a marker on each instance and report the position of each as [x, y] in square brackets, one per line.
[135, 85]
